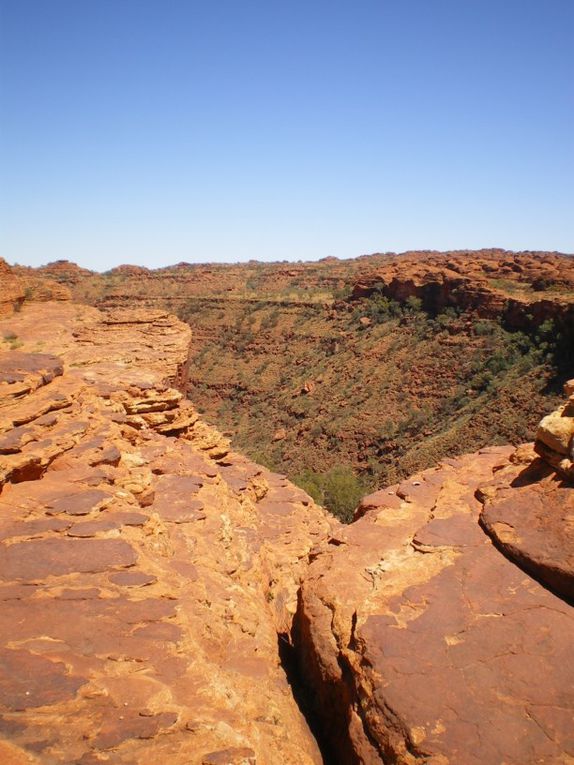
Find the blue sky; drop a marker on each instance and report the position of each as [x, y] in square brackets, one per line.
[155, 131]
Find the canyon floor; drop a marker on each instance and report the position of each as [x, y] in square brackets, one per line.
[163, 597]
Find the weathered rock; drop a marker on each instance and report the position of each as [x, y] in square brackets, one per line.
[437, 648]
[529, 514]
[147, 572]
[555, 437]
[557, 429]
[528, 509]
[11, 290]
[494, 283]
[127, 635]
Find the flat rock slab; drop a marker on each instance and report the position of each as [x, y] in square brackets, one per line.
[38, 559]
[448, 532]
[130, 725]
[78, 503]
[27, 681]
[455, 660]
[175, 501]
[423, 643]
[17, 367]
[132, 578]
[534, 525]
[233, 756]
[34, 528]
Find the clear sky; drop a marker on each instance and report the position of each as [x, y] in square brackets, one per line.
[155, 131]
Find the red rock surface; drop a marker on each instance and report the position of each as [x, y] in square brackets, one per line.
[437, 648]
[142, 581]
[147, 573]
[529, 508]
[11, 290]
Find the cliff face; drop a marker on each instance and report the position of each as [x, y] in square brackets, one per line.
[148, 574]
[145, 570]
[11, 290]
[521, 290]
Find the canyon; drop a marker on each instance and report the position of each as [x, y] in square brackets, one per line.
[163, 596]
[376, 367]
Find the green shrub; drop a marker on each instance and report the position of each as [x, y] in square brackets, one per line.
[339, 490]
[413, 304]
[483, 328]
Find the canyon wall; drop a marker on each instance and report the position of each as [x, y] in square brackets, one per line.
[303, 367]
[521, 291]
[147, 572]
[11, 290]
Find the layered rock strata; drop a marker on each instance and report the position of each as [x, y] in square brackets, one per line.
[509, 289]
[145, 570]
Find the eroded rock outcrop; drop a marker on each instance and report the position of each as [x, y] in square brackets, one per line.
[11, 290]
[146, 570]
[508, 286]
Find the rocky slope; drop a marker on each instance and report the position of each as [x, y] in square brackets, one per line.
[162, 597]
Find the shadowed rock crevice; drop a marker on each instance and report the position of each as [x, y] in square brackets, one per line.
[303, 697]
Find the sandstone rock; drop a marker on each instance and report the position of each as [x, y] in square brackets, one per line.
[528, 509]
[65, 272]
[11, 290]
[235, 756]
[42, 290]
[530, 516]
[130, 636]
[476, 281]
[428, 652]
[555, 438]
[147, 573]
[557, 429]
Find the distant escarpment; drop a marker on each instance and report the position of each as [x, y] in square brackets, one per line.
[521, 291]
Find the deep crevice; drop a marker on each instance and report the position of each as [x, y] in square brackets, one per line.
[303, 698]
